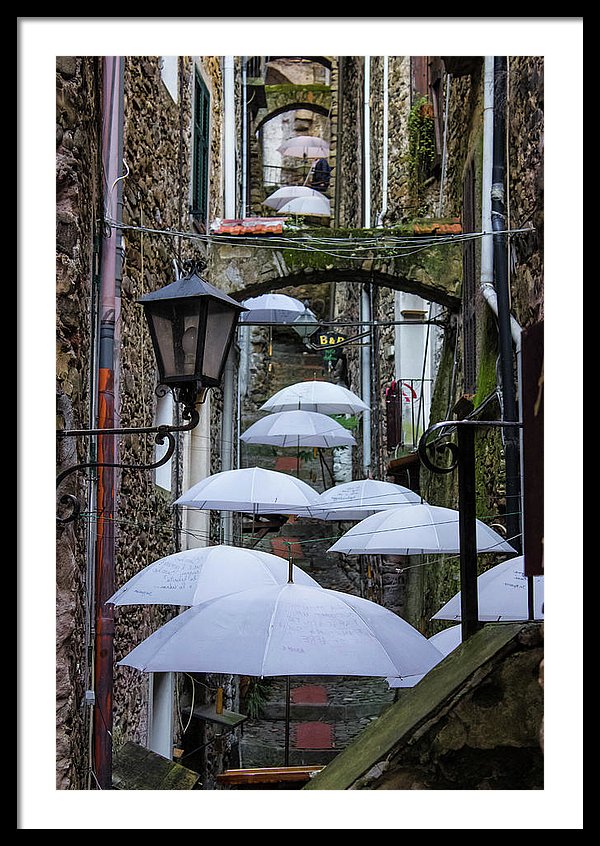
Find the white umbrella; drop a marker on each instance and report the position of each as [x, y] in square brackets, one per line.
[284, 630]
[418, 530]
[318, 205]
[446, 641]
[298, 429]
[196, 575]
[314, 395]
[361, 498]
[286, 193]
[251, 489]
[502, 592]
[273, 308]
[304, 146]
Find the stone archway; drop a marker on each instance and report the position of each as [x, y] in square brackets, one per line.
[247, 269]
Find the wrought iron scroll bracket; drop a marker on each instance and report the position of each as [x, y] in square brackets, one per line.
[440, 445]
[161, 433]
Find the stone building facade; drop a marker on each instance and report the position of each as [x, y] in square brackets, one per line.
[154, 193]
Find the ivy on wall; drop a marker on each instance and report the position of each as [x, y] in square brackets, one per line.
[420, 156]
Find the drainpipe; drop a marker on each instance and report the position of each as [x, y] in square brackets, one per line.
[228, 398]
[365, 372]
[244, 137]
[365, 299]
[229, 136]
[509, 400]
[367, 145]
[384, 168]
[227, 440]
[494, 255]
[110, 274]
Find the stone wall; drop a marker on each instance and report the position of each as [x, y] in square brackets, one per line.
[474, 722]
[77, 210]
[526, 185]
[433, 584]
[349, 146]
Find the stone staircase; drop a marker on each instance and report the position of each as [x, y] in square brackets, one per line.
[326, 713]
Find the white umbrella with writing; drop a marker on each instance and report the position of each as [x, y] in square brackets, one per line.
[286, 630]
[286, 193]
[502, 595]
[196, 575]
[361, 498]
[298, 428]
[419, 530]
[304, 146]
[251, 490]
[315, 395]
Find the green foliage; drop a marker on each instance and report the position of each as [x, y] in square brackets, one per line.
[257, 695]
[420, 157]
[347, 422]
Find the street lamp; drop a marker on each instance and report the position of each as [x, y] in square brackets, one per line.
[192, 325]
[306, 324]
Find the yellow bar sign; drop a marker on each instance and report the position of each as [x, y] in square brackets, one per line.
[330, 339]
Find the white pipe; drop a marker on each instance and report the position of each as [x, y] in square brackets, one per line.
[384, 169]
[365, 374]
[244, 138]
[487, 241]
[229, 136]
[444, 146]
[227, 440]
[365, 303]
[367, 144]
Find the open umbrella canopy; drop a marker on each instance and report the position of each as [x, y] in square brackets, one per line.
[502, 595]
[196, 575]
[286, 193]
[315, 395]
[284, 630]
[273, 308]
[446, 641]
[361, 498]
[250, 489]
[298, 429]
[418, 530]
[302, 146]
[318, 205]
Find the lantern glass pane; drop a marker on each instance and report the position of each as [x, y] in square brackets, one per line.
[219, 324]
[176, 328]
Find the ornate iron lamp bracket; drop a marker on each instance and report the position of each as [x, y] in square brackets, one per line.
[440, 446]
[186, 396]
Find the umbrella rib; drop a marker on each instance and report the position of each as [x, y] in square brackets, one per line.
[270, 632]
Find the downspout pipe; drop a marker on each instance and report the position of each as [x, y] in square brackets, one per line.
[384, 167]
[229, 136]
[365, 299]
[244, 188]
[110, 274]
[500, 253]
[229, 209]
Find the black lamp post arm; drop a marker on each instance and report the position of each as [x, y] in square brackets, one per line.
[462, 457]
[161, 433]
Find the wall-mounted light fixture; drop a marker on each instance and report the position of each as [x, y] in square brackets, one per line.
[192, 326]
